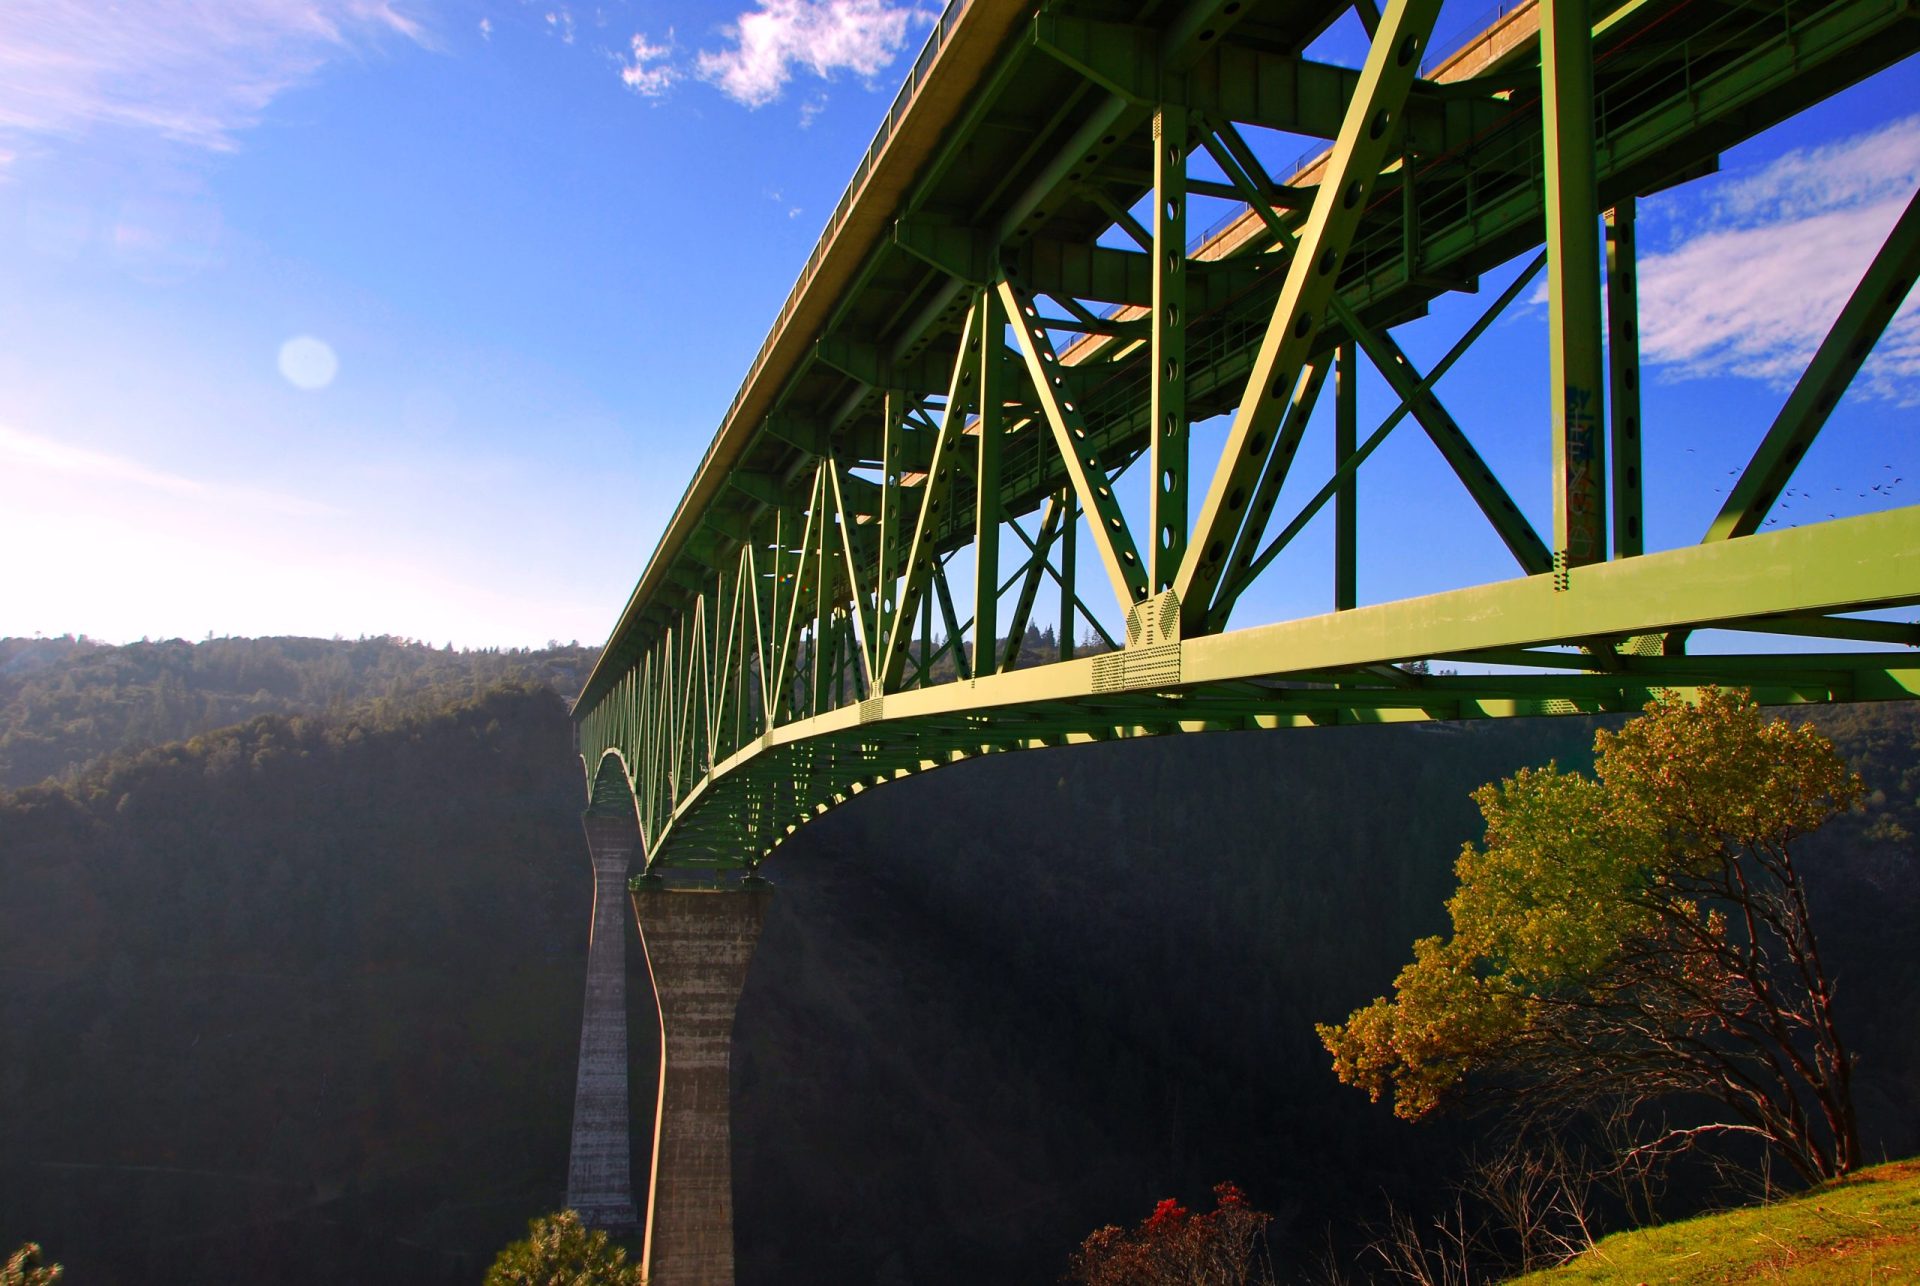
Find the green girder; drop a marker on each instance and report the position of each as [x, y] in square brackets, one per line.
[963, 352]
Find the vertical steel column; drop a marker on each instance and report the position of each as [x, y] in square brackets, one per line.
[1168, 519]
[1368, 134]
[923, 667]
[1069, 554]
[986, 503]
[951, 619]
[1573, 283]
[772, 664]
[817, 690]
[744, 588]
[1346, 383]
[886, 584]
[1623, 379]
[837, 680]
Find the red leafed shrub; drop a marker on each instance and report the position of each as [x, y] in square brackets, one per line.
[1175, 1247]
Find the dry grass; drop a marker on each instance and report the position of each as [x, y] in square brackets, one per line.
[1863, 1230]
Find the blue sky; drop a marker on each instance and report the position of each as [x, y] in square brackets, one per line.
[341, 317]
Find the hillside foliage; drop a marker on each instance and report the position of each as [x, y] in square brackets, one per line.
[559, 1251]
[1175, 1246]
[1639, 934]
[295, 999]
[25, 1267]
[66, 703]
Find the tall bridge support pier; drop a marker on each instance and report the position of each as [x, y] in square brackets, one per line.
[699, 943]
[599, 1169]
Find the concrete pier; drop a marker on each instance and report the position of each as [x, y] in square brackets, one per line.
[699, 942]
[599, 1171]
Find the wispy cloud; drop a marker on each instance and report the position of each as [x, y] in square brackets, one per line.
[30, 452]
[649, 74]
[820, 36]
[1754, 294]
[195, 71]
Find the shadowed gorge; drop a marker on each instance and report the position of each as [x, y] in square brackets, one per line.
[301, 1000]
[295, 1001]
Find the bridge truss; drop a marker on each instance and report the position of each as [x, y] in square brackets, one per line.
[933, 435]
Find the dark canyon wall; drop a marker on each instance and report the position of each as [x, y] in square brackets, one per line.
[299, 1002]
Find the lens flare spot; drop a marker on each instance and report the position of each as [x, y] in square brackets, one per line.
[308, 362]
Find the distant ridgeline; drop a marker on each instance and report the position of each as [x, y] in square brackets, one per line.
[66, 703]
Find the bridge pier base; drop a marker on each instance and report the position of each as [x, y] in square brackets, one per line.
[599, 1168]
[699, 943]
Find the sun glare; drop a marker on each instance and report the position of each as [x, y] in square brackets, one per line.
[308, 363]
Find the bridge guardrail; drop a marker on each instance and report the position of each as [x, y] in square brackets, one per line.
[936, 41]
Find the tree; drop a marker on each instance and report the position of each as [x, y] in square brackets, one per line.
[1174, 1247]
[1634, 935]
[559, 1251]
[23, 1268]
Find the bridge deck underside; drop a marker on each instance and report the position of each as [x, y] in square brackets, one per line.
[971, 360]
[1340, 669]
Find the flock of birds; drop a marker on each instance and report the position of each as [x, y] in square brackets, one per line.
[1883, 489]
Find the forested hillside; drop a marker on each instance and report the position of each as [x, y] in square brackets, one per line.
[65, 702]
[295, 1001]
[298, 1000]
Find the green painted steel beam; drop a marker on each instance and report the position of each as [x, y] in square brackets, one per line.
[1105, 275]
[1167, 396]
[1866, 315]
[1367, 136]
[1236, 81]
[1795, 54]
[768, 668]
[1091, 484]
[1623, 381]
[1850, 564]
[1416, 392]
[988, 513]
[1346, 507]
[1266, 492]
[1576, 366]
[1350, 463]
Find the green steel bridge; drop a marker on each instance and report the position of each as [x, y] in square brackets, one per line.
[1010, 310]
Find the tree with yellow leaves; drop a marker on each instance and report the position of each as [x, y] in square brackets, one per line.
[1634, 935]
[24, 1268]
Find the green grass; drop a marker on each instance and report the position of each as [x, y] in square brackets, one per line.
[1865, 1229]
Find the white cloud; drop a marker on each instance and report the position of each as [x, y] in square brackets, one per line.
[560, 23]
[196, 71]
[649, 74]
[822, 36]
[486, 29]
[1754, 295]
[1861, 170]
[30, 453]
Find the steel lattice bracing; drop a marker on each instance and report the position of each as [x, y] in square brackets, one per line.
[968, 365]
